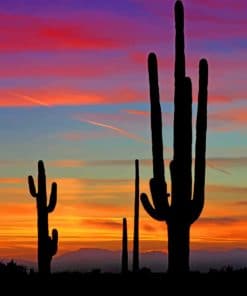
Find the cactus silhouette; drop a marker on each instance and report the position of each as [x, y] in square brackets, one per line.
[124, 248]
[183, 208]
[47, 246]
[136, 220]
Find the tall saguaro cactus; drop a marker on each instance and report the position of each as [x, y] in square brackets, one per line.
[136, 220]
[183, 208]
[47, 246]
[124, 248]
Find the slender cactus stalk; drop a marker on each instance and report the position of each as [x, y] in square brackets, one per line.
[124, 248]
[136, 220]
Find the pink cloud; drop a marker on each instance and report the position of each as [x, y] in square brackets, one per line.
[83, 67]
[25, 33]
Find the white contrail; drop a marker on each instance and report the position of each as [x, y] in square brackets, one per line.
[30, 99]
[118, 130]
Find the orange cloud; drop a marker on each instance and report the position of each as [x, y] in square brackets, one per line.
[82, 136]
[218, 221]
[50, 97]
[225, 164]
[227, 120]
[102, 223]
[138, 112]
[226, 189]
[30, 99]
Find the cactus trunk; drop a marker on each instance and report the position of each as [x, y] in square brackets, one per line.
[43, 260]
[178, 247]
[47, 245]
[184, 207]
[136, 220]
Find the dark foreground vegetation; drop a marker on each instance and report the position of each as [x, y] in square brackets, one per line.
[14, 278]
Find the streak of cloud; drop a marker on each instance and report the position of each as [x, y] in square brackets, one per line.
[118, 130]
[210, 165]
[30, 99]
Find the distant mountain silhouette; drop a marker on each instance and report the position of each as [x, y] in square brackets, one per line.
[110, 261]
[85, 260]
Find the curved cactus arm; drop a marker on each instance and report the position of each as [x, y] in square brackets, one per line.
[53, 198]
[160, 208]
[159, 195]
[150, 209]
[32, 188]
[53, 242]
[201, 128]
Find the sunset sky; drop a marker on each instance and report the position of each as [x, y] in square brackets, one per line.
[74, 92]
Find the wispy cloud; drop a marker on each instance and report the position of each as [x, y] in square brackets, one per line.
[222, 165]
[218, 220]
[148, 227]
[229, 120]
[138, 112]
[99, 223]
[115, 129]
[66, 96]
[226, 189]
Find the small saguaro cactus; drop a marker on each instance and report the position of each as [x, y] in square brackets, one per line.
[183, 208]
[136, 220]
[124, 248]
[47, 246]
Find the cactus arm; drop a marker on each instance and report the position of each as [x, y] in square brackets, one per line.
[53, 242]
[150, 209]
[160, 210]
[156, 119]
[53, 198]
[187, 176]
[201, 128]
[32, 188]
[158, 185]
[180, 56]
